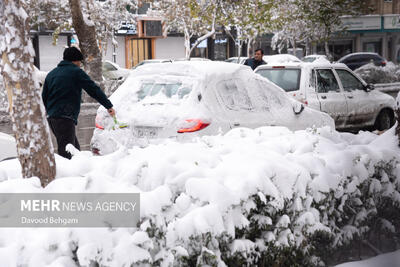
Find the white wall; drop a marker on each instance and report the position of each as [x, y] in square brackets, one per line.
[170, 47]
[51, 55]
[120, 51]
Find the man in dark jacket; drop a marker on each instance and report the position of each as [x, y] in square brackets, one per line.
[62, 91]
[257, 60]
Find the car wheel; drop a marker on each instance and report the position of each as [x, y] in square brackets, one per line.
[383, 121]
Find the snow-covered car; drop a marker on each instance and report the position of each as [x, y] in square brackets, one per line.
[238, 60]
[336, 90]
[152, 61]
[312, 58]
[111, 71]
[280, 58]
[8, 147]
[190, 99]
[191, 59]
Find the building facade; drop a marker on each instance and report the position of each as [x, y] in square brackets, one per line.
[376, 32]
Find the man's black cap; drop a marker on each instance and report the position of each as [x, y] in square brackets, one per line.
[72, 54]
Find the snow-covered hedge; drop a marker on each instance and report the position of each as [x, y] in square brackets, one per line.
[376, 74]
[266, 197]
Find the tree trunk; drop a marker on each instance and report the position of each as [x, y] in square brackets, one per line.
[308, 47]
[239, 50]
[86, 32]
[398, 117]
[249, 47]
[34, 147]
[187, 44]
[327, 52]
[294, 46]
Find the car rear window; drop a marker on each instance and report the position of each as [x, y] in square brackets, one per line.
[170, 90]
[288, 79]
[309, 59]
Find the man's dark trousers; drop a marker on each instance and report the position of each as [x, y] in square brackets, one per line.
[64, 130]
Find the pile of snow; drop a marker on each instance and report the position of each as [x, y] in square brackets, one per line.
[267, 194]
[377, 74]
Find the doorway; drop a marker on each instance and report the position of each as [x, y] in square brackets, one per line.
[137, 51]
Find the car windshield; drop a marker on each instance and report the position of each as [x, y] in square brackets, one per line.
[288, 79]
[309, 59]
[170, 90]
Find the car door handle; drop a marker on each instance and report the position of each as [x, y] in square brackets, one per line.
[236, 124]
[323, 96]
[349, 96]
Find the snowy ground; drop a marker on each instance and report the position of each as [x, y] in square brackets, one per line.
[384, 260]
[196, 196]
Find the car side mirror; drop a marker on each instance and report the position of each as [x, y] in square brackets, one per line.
[297, 107]
[369, 87]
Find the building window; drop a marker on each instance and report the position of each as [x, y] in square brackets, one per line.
[374, 47]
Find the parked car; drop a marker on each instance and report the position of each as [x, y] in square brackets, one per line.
[312, 58]
[238, 60]
[191, 59]
[111, 71]
[190, 99]
[336, 90]
[151, 61]
[356, 60]
[8, 147]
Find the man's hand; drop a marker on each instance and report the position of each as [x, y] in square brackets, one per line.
[111, 111]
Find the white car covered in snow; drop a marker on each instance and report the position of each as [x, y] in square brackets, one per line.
[334, 89]
[112, 71]
[312, 58]
[8, 147]
[237, 60]
[280, 59]
[189, 99]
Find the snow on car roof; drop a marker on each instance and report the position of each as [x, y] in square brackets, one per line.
[193, 73]
[280, 58]
[319, 62]
[189, 68]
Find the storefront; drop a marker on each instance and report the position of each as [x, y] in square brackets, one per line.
[374, 33]
[140, 40]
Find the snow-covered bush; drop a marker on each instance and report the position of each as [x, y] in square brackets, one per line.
[377, 74]
[266, 197]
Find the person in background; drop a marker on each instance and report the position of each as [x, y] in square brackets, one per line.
[257, 60]
[62, 97]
